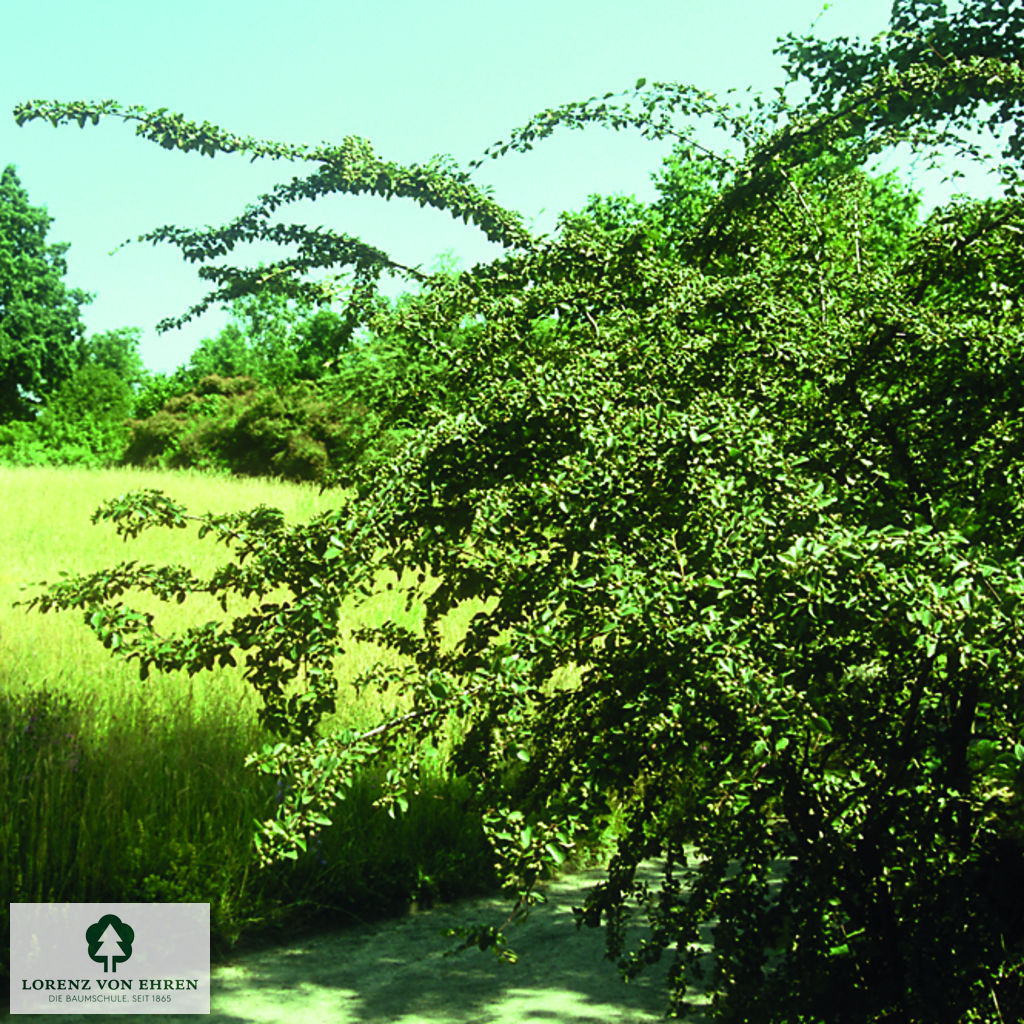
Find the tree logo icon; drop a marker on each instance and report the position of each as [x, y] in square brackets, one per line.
[110, 942]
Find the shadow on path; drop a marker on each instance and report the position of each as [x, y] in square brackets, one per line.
[395, 972]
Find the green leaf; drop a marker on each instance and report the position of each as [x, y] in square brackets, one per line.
[557, 855]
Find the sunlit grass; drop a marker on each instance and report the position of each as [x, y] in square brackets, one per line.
[46, 530]
[112, 788]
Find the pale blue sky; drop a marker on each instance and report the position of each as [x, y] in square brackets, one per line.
[416, 78]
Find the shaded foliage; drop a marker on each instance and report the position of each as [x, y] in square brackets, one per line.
[243, 404]
[233, 424]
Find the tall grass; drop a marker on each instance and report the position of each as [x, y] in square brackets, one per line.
[112, 789]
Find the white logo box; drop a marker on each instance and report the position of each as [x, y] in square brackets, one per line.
[110, 958]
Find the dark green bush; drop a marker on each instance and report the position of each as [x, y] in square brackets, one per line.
[234, 424]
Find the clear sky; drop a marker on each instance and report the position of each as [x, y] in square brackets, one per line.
[416, 78]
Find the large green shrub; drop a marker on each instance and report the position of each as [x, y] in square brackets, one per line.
[233, 424]
[743, 517]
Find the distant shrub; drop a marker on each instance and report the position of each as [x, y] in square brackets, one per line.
[84, 423]
[233, 423]
[91, 409]
[21, 445]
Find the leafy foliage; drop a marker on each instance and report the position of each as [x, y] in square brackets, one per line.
[91, 409]
[284, 391]
[232, 424]
[274, 340]
[85, 420]
[743, 517]
[945, 72]
[40, 325]
[118, 352]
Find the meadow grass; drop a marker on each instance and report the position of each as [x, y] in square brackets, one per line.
[114, 789]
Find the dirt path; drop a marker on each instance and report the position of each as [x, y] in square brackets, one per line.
[394, 972]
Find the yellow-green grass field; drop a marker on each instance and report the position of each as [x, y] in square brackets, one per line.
[116, 789]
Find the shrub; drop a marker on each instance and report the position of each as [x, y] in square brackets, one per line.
[85, 422]
[89, 410]
[762, 493]
[234, 424]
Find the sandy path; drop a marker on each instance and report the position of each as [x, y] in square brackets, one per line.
[395, 972]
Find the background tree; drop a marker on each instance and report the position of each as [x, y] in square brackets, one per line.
[85, 419]
[273, 339]
[226, 355]
[40, 324]
[117, 350]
